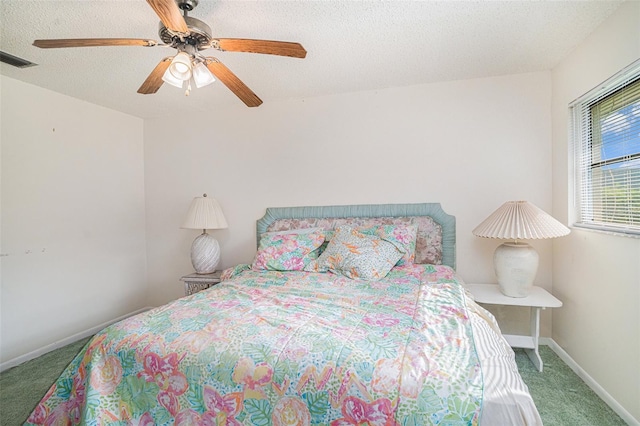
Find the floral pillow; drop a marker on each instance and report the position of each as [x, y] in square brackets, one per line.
[288, 251]
[402, 236]
[357, 255]
[328, 235]
[233, 271]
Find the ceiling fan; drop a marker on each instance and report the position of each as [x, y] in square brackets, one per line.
[189, 36]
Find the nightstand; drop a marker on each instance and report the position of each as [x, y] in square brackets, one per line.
[193, 283]
[537, 300]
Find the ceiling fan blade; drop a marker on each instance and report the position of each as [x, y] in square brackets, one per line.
[91, 42]
[170, 15]
[270, 47]
[154, 81]
[234, 84]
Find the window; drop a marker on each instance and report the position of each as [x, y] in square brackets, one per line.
[606, 131]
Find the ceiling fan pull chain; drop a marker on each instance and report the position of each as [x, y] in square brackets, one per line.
[188, 91]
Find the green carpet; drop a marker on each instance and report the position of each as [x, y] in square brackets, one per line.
[22, 387]
[562, 398]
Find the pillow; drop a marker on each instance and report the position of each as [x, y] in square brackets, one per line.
[356, 255]
[288, 250]
[402, 236]
[328, 235]
[233, 271]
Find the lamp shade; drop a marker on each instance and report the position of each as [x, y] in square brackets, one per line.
[516, 264]
[168, 78]
[520, 220]
[202, 76]
[205, 213]
[180, 66]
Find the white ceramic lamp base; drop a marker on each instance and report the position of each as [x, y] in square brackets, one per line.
[205, 254]
[516, 265]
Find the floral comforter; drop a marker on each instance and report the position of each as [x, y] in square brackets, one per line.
[283, 348]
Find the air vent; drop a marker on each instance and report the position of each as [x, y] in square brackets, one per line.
[15, 61]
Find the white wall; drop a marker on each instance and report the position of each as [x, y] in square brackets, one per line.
[596, 275]
[470, 145]
[72, 217]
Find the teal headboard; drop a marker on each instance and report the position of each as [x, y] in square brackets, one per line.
[433, 210]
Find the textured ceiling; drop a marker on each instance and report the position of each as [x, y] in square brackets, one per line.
[351, 45]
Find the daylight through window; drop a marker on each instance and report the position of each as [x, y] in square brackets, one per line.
[607, 152]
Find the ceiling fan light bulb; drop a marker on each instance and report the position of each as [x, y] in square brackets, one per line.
[168, 78]
[181, 66]
[202, 76]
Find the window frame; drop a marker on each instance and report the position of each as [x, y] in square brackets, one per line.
[586, 137]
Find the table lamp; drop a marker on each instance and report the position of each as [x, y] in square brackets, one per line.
[516, 262]
[205, 213]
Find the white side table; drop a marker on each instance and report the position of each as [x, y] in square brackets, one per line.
[538, 299]
[194, 283]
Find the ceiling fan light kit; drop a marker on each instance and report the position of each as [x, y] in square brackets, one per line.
[189, 36]
[185, 66]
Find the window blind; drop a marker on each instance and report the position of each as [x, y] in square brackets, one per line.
[606, 130]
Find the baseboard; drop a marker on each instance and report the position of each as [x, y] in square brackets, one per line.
[599, 390]
[64, 342]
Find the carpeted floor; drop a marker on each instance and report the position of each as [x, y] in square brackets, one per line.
[22, 387]
[562, 398]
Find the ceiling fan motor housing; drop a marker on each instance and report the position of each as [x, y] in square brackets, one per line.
[199, 34]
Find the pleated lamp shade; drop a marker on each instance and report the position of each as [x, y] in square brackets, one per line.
[205, 213]
[516, 263]
[520, 220]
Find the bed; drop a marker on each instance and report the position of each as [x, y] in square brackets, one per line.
[348, 315]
